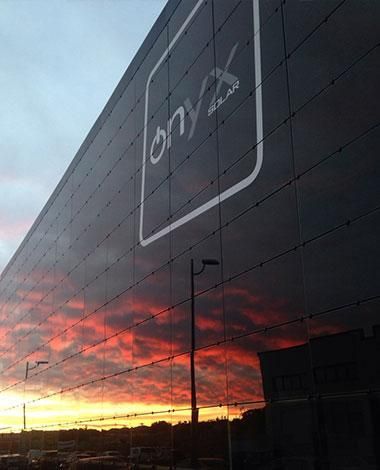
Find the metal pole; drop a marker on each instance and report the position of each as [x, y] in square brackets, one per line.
[23, 408]
[24, 417]
[27, 369]
[194, 410]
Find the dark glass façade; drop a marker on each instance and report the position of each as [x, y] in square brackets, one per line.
[245, 132]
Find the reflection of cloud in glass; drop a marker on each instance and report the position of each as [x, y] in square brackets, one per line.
[113, 318]
[147, 346]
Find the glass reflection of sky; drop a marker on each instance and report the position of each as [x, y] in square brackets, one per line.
[297, 249]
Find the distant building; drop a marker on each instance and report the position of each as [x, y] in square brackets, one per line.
[323, 399]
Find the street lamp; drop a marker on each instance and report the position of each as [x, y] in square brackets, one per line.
[27, 369]
[194, 409]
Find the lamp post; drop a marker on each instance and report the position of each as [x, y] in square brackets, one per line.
[194, 409]
[27, 369]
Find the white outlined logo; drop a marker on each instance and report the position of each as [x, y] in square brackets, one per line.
[162, 139]
[154, 150]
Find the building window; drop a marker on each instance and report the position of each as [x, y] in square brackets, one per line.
[289, 383]
[335, 373]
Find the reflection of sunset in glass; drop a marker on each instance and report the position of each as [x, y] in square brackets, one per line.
[243, 331]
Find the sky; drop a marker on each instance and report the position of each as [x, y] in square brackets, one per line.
[60, 61]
